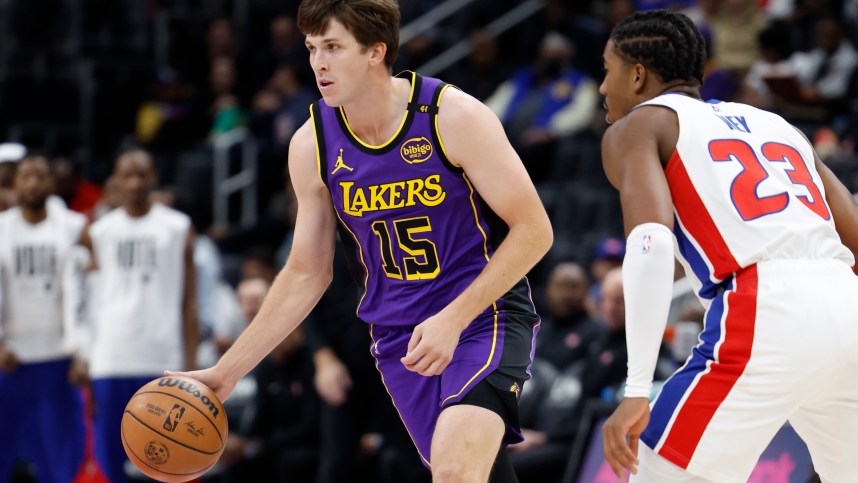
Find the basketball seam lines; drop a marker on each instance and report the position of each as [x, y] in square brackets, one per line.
[159, 469]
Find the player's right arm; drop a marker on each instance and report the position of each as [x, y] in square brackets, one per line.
[634, 152]
[301, 282]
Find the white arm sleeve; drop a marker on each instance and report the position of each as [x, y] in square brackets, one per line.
[647, 286]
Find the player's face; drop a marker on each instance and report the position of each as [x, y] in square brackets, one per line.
[337, 60]
[618, 85]
[33, 182]
[135, 176]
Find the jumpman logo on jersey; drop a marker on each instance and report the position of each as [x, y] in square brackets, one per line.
[340, 164]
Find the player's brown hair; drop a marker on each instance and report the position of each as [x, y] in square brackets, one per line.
[370, 21]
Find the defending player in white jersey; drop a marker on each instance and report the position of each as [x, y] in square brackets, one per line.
[41, 413]
[767, 232]
[144, 310]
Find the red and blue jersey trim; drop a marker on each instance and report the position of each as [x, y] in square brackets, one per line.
[691, 397]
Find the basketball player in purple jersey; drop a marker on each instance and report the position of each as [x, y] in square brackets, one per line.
[413, 174]
[766, 233]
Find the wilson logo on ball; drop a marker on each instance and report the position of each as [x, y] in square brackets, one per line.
[191, 389]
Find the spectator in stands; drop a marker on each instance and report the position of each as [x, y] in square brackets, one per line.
[285, 47]
[608, 255]
[280, 108]
[10, 154]
[573, 20]
[168, 120]
[483, 70]
[823, 75]
[567, 328]
[258, 262]
[78, 193]
[280, 442]
[543, 102]
[735, 25]
[775, 50]
[225, 110]
[553, 423]
[111, 198]
[221, 41]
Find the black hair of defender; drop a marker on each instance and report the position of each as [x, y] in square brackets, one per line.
[665, 42]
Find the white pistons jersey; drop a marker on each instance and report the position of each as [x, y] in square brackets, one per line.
[745, 189]
[137, 310]
[32, 261]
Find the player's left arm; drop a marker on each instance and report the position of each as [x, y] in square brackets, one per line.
[474, 139]
[190, 322]
[843, 207]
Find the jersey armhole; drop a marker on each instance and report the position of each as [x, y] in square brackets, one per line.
[319, 138]
[436, 133]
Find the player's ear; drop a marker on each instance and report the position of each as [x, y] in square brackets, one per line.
[377, 53]
[639, 74]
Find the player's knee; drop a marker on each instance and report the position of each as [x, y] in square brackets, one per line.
[455, 472]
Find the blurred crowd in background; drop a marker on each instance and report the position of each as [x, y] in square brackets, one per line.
[214, 90]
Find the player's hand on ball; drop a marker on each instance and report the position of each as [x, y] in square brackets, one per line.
[211, 378]
[629, 419]
[431, 346]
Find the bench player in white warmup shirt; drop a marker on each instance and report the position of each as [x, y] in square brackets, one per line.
[767, 233]
[41, 412]
[144, 311]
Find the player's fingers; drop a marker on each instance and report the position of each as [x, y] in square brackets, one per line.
[435, 368]
[617, 452]
[428, 356]
[634, 439]
[414, 355]
[416, 336]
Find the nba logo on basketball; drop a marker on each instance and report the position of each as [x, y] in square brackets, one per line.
[173, 417]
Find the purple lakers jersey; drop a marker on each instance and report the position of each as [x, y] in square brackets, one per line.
[415, 229]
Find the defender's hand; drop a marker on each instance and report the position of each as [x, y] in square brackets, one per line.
[211, 378]
[431, 346]
[629, 419]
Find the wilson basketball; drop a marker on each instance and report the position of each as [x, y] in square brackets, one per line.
[174, 429]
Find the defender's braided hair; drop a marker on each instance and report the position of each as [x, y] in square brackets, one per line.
[663, 41]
